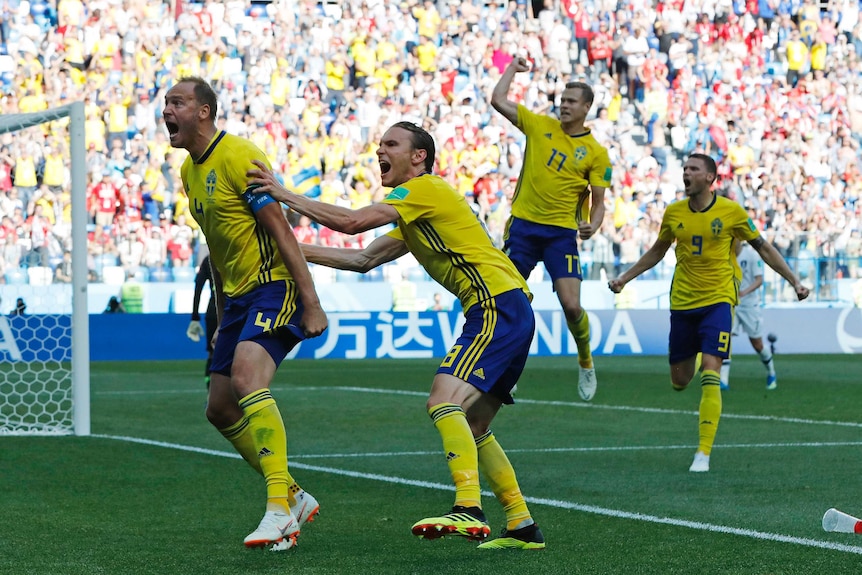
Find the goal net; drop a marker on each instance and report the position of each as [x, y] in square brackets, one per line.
[44, 330]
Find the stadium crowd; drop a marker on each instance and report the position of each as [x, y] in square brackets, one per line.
[771, 88]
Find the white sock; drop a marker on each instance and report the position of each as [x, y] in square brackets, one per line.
[766, 358]
[724, 372]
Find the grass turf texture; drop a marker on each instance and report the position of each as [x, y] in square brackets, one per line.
[103, 505]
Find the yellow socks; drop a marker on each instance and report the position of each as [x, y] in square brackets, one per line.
[580, 329]
[270, 444]
[710, 409]
[495, 466]
[461, 454]
[239, 435]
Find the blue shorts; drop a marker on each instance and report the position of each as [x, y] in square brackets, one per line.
[268, 315]
[704, 329]
[491, 351]
[528, 243]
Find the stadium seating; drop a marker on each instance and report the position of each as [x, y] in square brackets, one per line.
[16, 276]
[40, 275]
[160, 275]
[183, 274]
[113, 275]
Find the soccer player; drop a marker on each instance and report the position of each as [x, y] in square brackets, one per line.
[474, 380]
[748, 314]
[704, 287]
[195, 330]
[265, 300]
[560, 195]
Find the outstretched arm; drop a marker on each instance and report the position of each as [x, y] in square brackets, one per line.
[500, 96]
[653, 256]
[381, 250]
[334, 217]
[774, 260]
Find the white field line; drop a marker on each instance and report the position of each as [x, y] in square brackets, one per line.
[576, 404]
[723, 447]
[777, 537]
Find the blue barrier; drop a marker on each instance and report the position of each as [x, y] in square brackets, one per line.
[365, 334]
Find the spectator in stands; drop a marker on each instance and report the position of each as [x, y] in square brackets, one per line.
[305, 233]
[155, 246]
[437, 304]
[180, 243]
[131, 250]
[104, 200]
[721, 69]
[63, 271]
[13, 253]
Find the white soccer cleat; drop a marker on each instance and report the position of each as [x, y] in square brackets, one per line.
[306, 509]
[700, 463]
[587, 383]
[840, 522]
[283, 545]
[277, 528]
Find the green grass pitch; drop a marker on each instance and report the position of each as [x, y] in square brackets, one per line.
[156, 490]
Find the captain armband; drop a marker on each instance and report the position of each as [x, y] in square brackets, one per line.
[257, 201]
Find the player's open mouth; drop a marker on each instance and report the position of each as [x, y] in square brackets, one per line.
[172, 127]
[384, 167]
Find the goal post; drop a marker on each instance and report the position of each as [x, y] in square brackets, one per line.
[46, 389]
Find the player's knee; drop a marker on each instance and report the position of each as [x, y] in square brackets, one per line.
[217, 417]
[479, 428]
[678, 383]
[573, 311]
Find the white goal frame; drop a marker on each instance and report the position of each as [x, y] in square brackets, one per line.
[80, 318]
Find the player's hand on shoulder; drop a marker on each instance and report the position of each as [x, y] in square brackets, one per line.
[263, 180]
[314, 321]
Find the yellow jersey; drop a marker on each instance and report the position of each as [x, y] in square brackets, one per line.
[706, 271]
[554, 187]
[448, 240]
[241, 249]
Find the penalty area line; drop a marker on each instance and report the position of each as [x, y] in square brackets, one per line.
[615, 513]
